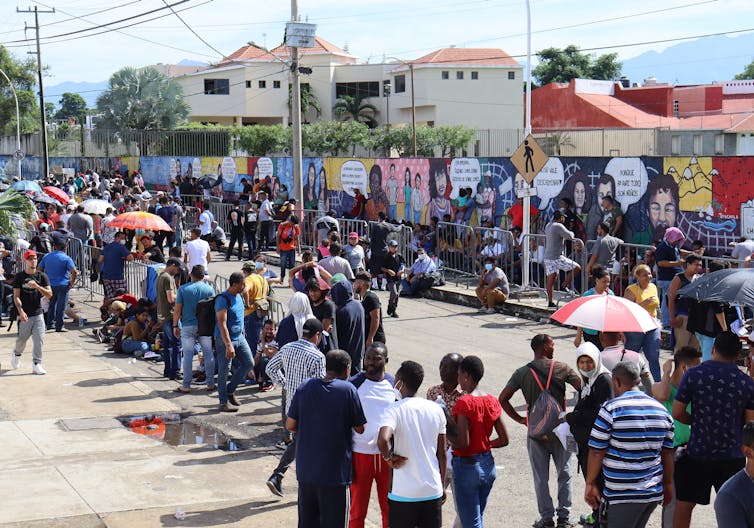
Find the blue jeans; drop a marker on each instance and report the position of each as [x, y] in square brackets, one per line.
[648, 343]
[171, 350]
[705, 342]
[252, 325]
[242, 364]
[663, 286]
[137, 348]
[393, 211]
[189, 337]
[250, 237]
[58, 304]
[287, 261]
[473, 477]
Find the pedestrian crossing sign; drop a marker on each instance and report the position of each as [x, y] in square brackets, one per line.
[529, 159]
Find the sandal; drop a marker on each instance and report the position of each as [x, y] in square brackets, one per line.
[182, 390]
[212, 388]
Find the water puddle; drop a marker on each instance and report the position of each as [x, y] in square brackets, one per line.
[173, 430]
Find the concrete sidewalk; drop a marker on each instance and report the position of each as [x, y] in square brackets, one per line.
[66, 460]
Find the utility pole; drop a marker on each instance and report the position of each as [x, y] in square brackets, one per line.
[43, 117]
[298, 183]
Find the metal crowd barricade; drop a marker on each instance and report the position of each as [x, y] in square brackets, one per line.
[405, 238]
[191, 200]
[353, 225]
[191, 220]
[220, 210]
[456, 250]
[726, 261]
[136, 277]
[503, 241]
[277, 309]
[220, 283]
[76, 249]
[627, 256]
[309, 229]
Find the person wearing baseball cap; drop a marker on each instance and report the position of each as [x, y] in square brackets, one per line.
[355, 253]
[669, 264]
[29, 286]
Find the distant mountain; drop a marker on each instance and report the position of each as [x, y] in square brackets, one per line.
[88, 90]
[699, 61]
[189, 62]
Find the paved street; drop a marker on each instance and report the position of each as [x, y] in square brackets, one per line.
[61, 473]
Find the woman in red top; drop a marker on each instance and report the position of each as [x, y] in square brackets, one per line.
[475, 415]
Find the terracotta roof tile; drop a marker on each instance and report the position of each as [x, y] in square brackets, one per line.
[471, 56]
[249, 53]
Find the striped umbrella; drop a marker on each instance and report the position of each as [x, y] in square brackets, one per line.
[606, 313]
[139, 220]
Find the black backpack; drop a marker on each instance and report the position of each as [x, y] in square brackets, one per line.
[206, 316]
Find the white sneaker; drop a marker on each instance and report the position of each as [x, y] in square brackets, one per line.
[15, 361]
[37, 369]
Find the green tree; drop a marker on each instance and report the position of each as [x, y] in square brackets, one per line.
[72, 105]
[426, 141]
[22, 73]
[356, 108]
[562, 65]
[453, 138]
[142, 99]
[263, 140]
[748, 72]
[309, 102]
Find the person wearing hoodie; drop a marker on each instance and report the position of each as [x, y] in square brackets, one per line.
[291, 327]
[596, 389]
[349, 323]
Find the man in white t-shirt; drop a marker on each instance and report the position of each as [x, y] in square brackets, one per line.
[266, 222]
[205, 221]
[418, 459]
[196, 251]
[743, 251]
[613, 352]
[375, 389]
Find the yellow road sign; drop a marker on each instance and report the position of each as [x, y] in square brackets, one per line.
[529, 159]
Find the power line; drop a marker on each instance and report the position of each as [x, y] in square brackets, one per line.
[210, 46]
[106, 24]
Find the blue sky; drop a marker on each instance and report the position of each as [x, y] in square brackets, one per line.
[406, 29]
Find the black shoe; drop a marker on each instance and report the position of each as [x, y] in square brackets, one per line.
[227, 407]
[552, 305]
[275, 483]
[232, 399]
[394, 315]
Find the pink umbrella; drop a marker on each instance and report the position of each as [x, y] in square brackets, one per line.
[607, 313]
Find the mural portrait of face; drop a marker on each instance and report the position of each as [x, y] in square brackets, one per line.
[605, 187]
[417, 181]
[662, 193]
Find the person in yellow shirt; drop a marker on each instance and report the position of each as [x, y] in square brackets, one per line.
[644, 293]
[255, 302]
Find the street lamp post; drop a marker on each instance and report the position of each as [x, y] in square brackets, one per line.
[18, 122]
[413, 97]
[386, 89]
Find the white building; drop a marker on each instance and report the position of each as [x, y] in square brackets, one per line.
[476, 87]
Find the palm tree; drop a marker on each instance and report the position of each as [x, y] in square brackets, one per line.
[14, 208]
[356, 108]
[309, 101]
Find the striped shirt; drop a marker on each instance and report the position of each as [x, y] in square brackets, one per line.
[295, 363]
[634, 429]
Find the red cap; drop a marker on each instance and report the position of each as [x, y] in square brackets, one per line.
[29, 253]
[353, 234]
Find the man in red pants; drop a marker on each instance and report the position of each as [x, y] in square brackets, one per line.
[375, 388]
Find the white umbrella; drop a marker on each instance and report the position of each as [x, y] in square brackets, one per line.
[94, 206]
[607, 313]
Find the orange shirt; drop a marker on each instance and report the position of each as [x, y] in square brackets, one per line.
[287, 234]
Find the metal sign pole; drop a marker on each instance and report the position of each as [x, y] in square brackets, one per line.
[527, 198]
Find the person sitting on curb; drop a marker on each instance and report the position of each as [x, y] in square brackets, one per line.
[493, 286]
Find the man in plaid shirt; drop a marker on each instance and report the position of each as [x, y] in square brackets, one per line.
[299, 360]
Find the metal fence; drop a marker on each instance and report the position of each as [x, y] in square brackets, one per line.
[277, 309]
[456, 249]
[308, 228]
[352, 225]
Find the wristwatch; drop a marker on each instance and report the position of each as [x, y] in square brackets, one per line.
[389, 455]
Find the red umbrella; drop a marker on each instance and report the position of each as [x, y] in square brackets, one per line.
[57, 193]
[139, 220]
[607, 313]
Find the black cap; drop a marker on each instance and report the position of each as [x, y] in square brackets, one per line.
[311, 327]
[172, 261]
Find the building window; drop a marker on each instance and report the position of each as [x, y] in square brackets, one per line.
[474, 76]
[698, 144]
[262, 84]
[459, 75]
[276, 84]
[719, 144]
[512, 76]
[357, 89]
[248, 84]
[675, 144]
[216, 86]
[445, 75]
[400, 84]
[675, 108]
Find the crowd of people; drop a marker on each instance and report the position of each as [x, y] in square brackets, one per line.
[644, 435]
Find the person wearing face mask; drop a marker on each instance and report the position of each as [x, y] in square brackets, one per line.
[419, 278]
[664, 391]
[112, 261]
[601, 287]
[596, 389]
[493, 286]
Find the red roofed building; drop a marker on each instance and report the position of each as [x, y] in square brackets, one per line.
[700, 120]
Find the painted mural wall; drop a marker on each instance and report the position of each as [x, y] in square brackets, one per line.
[709, 198]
